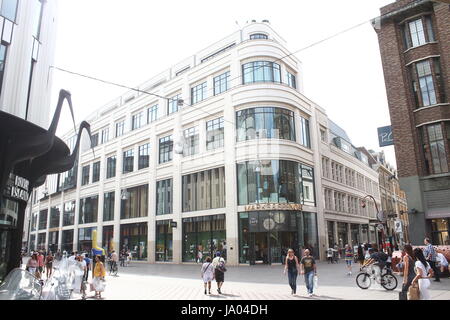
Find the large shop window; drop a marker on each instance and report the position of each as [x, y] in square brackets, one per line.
[55, 213]
[261, 71]
[135, 204]
[9, 212]
[41, 241]
[69, 214]
[107, 239]
[440, 231]
[266, 236]
[43, 219]
[204, 190]
[111, 167]
[133, 237]
[434, 148]
[108, 206]
[165, 149]
[203, 234]
[215, 134]
[164, 197]
[265, 123]
[53, 241]
[85, 239]
[164, 241]
[88, 210]
[67, 241]
[275, 181]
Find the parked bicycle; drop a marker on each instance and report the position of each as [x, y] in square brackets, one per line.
[387, 279]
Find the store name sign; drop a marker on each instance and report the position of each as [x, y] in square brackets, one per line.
[17, 188]
[274, 206]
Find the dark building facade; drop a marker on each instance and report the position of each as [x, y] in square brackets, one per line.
[414, 39]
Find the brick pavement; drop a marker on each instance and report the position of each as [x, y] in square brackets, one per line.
[142, 281]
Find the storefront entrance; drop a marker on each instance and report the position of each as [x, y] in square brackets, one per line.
[5, 236]
[271, 247]
[265, 236]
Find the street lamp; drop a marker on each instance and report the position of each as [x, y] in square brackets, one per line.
[363, 205]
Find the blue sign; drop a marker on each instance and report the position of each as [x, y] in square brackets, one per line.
[385, 136]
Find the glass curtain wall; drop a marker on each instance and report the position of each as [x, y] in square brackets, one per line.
[69, 213]
[275, 181]
[85, 239]
[108, 206]
[164, 197]
[136, 203]
[88, 210]
[53, 238]
[55, 213]
[43, 219]
[204, 190]
[133, 237]
[108, 234]
[164, 241]
[203, 234]
[265, 123]
[67, 241]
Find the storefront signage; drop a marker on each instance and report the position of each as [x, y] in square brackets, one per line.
[17, 188]
[274, 206]
[385, 136]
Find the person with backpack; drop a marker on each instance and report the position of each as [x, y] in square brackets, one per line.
[207, 274]
[378, 260]
[219, 271]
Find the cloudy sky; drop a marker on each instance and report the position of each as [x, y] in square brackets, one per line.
[129, 42]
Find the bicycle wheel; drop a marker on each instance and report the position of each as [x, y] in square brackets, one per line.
[363, 280]
[389, 282]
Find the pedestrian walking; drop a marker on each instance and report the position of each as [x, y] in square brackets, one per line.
[219, 271]
[78, 274]
[98, 283]
[88, 262]
[430, 255]
[122, 258]
[423, 274]
[199, 256]
[408, 271]
[309, 270]
[40, 262]
[443, 263]
[128, 257]
[114, 259]
[207, 273]
[330, 255]
[292, 267]
[49, 264]
[32, 265]
[348, 258]
[360, 256]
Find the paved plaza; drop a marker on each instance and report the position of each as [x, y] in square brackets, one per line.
[142, 281]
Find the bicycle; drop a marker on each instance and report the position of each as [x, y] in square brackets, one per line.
[386, 279]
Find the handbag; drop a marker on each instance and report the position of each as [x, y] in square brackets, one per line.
[403, 295]
[414, 292]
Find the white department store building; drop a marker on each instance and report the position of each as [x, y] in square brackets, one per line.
[248, 182]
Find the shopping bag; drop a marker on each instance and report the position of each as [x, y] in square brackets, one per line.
[403, 295]
[316, 282]
[413, 292]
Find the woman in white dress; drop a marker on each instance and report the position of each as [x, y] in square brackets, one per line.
[207, 273]
[423, 274]
[78, 271]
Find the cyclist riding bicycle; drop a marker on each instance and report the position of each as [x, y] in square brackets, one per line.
[377, 260]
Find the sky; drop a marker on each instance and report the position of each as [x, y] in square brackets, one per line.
[128, 42]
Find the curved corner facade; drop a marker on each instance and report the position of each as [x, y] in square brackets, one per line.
[230, 162]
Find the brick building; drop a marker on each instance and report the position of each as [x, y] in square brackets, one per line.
[414, 39]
